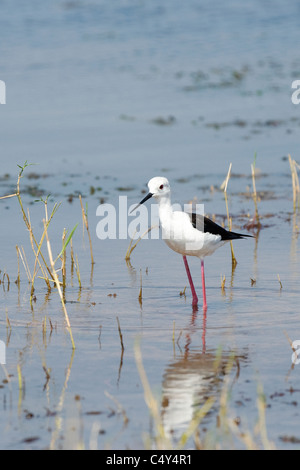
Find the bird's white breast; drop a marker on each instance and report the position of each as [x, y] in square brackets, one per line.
[180, 235]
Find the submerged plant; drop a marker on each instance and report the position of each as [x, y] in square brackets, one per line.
[131, 246]
[86, 223]
[224, 187]
[47, 269]
[295, 181]
[256, 218]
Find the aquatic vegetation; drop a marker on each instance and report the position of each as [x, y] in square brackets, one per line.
[105, 323]
[224, 187]
[48, 270]
[86, 223]
[294, 166]
[132, 245]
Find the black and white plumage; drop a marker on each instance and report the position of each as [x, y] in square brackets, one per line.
[209, 226]
[189, 234]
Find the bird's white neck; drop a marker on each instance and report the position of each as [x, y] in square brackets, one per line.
[165, 208]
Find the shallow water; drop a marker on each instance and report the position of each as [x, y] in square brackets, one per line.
[103, 97]
[97, 388]
[90, 86]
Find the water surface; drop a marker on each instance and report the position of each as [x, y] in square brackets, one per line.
[102, 97]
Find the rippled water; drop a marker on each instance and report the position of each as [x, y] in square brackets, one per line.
[103, 96]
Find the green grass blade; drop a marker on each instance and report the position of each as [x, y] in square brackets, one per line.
[67, 242]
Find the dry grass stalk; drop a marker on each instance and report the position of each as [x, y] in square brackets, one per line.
[295, 181]
[20, 381]
[78, 272]
[120, 335]
[122, 349]
[261, 425]
[195, 422]
[132, 247]
[6, 276]
[44, 329]
[182, 292]
[229, 426]
[64, 259]
[10, 195]
[141, 288]
[58, 418]
[72, 258]
[25, 263]
[120, 408]
[173, 334]
[58, 285]
[254, 195]
[18, 277]
[25, 218]
[8, 325]
[86, 223]
[224, 187]
[223, 280]
[161, 440]
[37, 261]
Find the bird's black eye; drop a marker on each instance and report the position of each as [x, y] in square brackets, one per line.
[161, 186]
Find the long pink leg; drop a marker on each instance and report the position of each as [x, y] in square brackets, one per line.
[203, 285]
[195, 298]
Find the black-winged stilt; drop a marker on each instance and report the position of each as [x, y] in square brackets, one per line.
[187, 233]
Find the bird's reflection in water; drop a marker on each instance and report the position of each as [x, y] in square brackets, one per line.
[191, 378]
[194, 329]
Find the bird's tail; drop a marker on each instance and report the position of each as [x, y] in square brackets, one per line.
[235, 236]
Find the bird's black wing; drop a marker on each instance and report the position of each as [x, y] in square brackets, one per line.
[204, 224]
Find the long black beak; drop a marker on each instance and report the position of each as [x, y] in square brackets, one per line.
[149, 195]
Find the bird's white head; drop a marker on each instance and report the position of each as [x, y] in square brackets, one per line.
[159, 187]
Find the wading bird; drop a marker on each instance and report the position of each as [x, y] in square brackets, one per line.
[187, 233]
